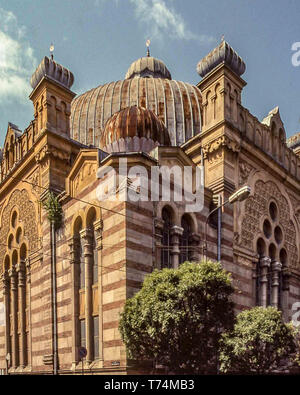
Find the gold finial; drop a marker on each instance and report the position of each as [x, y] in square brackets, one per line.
[51, 50]
[222, 38]
[148, 42]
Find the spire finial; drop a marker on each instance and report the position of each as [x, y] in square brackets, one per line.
[51, 50]
[222, 38]
[148, 42]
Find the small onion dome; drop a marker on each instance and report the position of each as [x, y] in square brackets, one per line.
[134, 129]
[148, 67]
[49, 68]
[222, 54]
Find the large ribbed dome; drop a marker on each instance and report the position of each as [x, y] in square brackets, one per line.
[176, 104]
[133, 129]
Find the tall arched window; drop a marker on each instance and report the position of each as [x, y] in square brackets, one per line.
[79, 278]
[94, 335]
[185, 249]
[166, 238]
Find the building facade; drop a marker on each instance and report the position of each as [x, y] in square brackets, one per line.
[103, 249]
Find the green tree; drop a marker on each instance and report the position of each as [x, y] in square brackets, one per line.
[53, 208]
[176, 319]
[259, 341]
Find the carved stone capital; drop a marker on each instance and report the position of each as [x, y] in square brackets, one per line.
[176, 231]
[276, 266]
[158, 224]
[265, 262]
[222, 141]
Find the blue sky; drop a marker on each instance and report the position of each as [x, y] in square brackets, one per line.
[99, 39]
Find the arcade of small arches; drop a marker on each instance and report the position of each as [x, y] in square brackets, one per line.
[271, 270]
[175, 244]
[16, 293]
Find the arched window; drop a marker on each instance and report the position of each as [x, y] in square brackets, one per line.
[272, 258]
[79, 282]
[166, 238]
[16, 300]
[91, 218]
[185, 249]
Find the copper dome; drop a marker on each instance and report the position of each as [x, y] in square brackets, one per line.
[134, 129]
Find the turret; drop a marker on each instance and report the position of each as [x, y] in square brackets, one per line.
[52, 97]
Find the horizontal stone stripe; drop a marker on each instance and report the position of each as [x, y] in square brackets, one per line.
[227, 227]
[131, 207]
[113, 343]
[65, 302]
[113, 230]
[141, 230]
[40, 295]
[112, 268]
[226, 258]
[46, 277]
[138, 247]
[114, 305]
[112, 286]
[48, 336]
[48, 321]
[64, 287]
[134, 284]
[139, 266]
[109, 250]
[86, 191]
[41, 338]
[293, 295]
[111, 325]
[40, 353]
[115, 211]
[227, 243]
[45, 306]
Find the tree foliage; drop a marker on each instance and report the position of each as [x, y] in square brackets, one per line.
[176, 319]
[53, 208]
[258, 343]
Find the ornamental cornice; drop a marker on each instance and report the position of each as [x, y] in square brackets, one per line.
[49, 151]
[222, 141]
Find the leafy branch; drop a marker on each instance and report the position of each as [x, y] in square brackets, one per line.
[53, 208]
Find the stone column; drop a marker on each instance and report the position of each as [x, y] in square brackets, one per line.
[194, 242]
[285, 294]
[255, 282]
[6, 293]
[276, 268]
[72, 243]
[86, 235]
[158, 230]
[265, 263]
[14, 316]
[27, 313]
[21, 271]
[176, 232]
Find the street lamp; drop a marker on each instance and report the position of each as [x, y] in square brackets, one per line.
[238, 196]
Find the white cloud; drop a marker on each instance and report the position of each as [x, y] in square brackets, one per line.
[17, 61]
[162, 20]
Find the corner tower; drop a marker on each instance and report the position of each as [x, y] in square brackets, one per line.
[52, 97]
